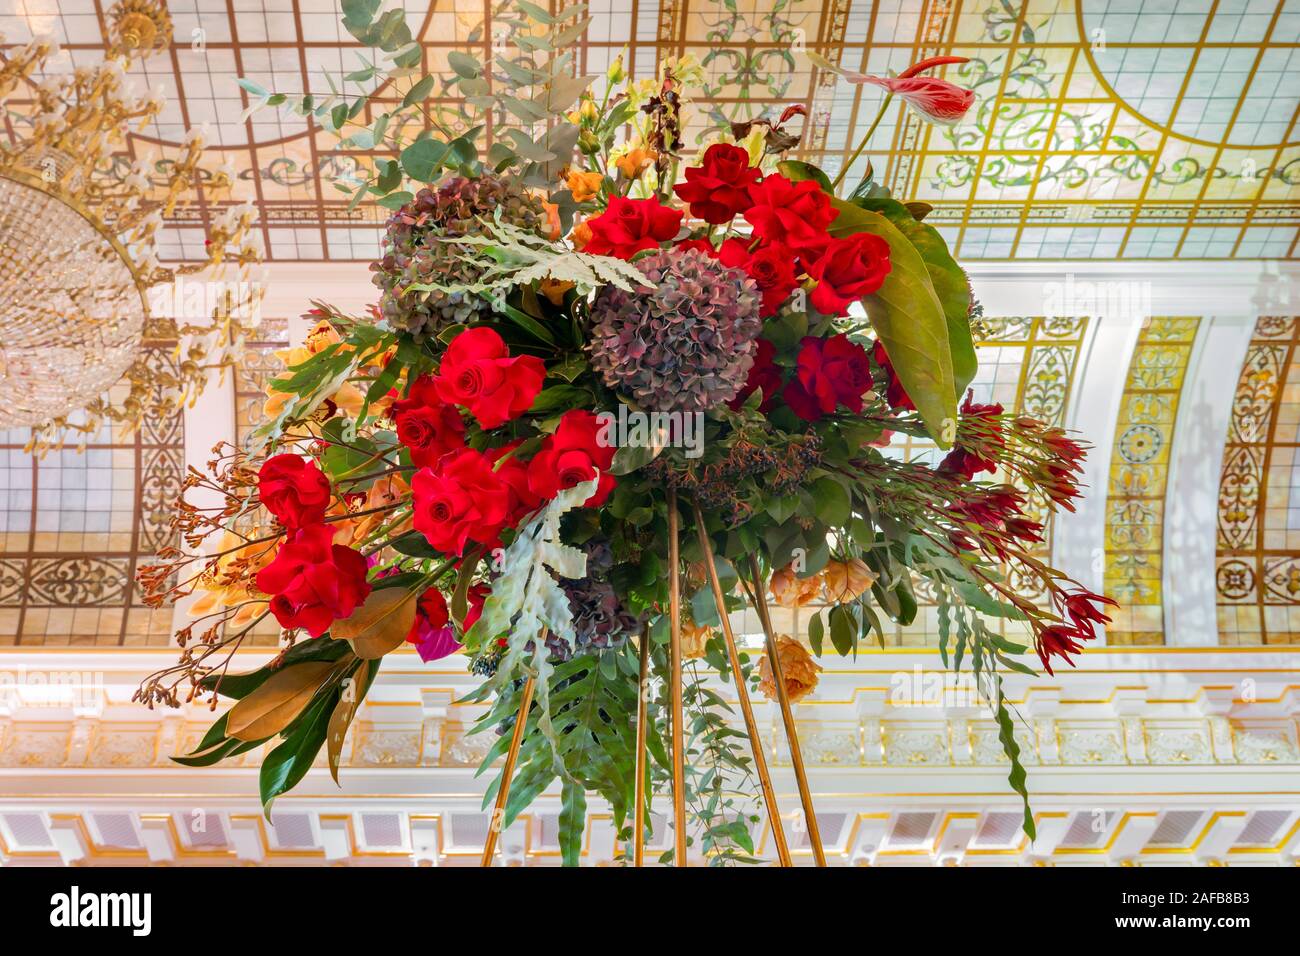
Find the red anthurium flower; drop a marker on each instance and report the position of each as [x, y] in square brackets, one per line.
[293, 489]
[629, 226]
[314, 582]
[829, 372]
[574, 454]
[427, 425]
[478, 372]
[717, 190]
[789, 213]
[846, 270]
[771, 268]
[460, 500]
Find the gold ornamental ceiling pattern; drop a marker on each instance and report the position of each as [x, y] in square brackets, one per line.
[1103, 129]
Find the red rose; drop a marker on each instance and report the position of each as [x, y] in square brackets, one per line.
[426, 425]
[296, 491]
[313, 581]
[792, 214]
[895, 394]
[847, 270]
[629, 226]
[771, 268]
[718, 190]
[699, 245]
[574, 454]
[829, 373]
[478, 372]
[459, 501]
[514, 473]
[764, 374]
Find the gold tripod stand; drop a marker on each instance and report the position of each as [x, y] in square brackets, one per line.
[677, 724]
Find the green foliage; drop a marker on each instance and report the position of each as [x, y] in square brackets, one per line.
[593, 701]
[909, 319]
[525, 600]
[301, 740]
[437, 123]
[948, 279]
[721, 789]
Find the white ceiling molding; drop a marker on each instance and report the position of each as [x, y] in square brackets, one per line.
[1140, 755]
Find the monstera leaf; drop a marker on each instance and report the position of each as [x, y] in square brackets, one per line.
[909, 319]
[526, 599]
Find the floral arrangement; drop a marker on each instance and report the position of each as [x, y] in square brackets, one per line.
[613, 389]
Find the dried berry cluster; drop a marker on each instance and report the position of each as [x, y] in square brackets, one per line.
[727, 484]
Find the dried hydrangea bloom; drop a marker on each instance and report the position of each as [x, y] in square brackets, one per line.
[684, 343]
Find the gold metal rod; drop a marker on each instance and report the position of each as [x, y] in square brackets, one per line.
[742, 695]
[503, 792]
[675, 678]
[787, 715]
[638, 801]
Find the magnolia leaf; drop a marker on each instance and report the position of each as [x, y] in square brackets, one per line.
[950, 284]
[273, 706]
[910, 321]
[380, 625]
[350, 698]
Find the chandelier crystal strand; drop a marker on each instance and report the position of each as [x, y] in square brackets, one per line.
[83, 287]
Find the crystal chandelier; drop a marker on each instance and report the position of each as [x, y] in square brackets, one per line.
[79, 268]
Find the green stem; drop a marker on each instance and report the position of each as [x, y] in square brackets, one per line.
[862, 145]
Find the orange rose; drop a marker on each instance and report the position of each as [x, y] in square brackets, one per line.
[792, 591]
[797, 667]
[846, 581]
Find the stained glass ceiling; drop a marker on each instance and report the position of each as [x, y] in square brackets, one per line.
[1104, 128]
